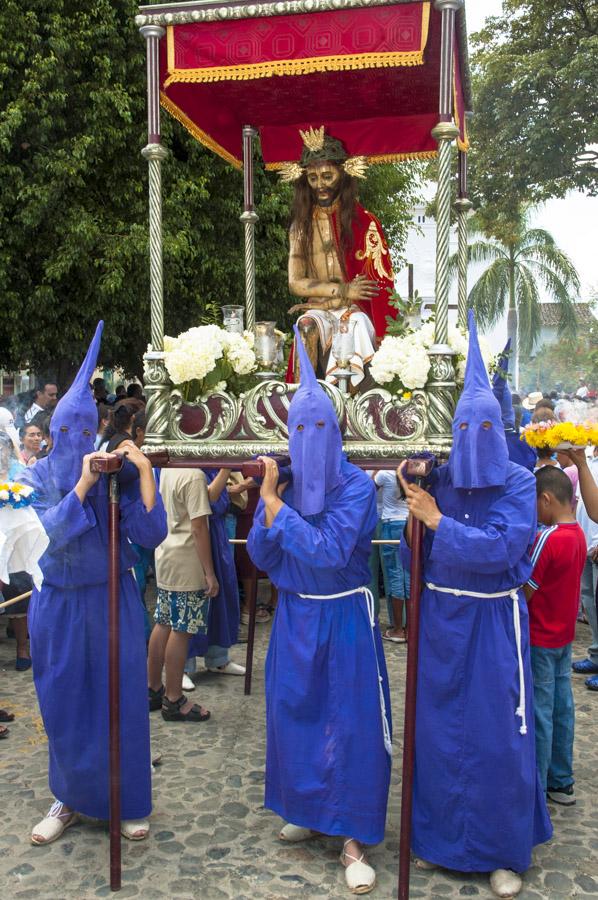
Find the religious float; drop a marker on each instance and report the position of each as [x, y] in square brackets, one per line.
[381, 81]
[390, 80]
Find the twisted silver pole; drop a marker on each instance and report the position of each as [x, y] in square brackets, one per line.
[156, 383]
[462, 205]
[249, 219]
[444, 133]
[155, 153]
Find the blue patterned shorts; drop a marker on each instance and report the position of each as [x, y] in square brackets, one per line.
[183, 610]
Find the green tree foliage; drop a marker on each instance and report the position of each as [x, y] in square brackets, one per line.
[73, 204]
[518, 268]
[536, 104]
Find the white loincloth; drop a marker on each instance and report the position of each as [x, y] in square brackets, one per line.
[364, 338]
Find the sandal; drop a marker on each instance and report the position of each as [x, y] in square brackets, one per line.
[51, 827]
[423, 864]
[171, 711]
[360, 877]
[135, 829]
[155, 698]
[4, 732]
[261, 616]
[6, 716]
[295, 833]
[387, 636]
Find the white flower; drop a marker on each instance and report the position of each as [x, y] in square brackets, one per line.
[26, 491]
[239, 354]
[194, 354]
[220, 387]
[249, 336]
[4, 495]
[169, 343]
[424, 335]
[402, 358]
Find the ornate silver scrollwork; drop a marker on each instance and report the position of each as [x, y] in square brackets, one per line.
[266, 408]
[374, 424]
[374, 416]
[219, 415]
[441, 392]
[157, 390]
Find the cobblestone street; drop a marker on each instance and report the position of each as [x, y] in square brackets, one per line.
[211, 838]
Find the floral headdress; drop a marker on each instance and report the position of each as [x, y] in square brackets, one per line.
[321, 147]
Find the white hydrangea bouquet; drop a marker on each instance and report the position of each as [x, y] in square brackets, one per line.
[207, 359]
[401, 364]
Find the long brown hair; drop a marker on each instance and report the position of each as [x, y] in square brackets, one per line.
[303, 207]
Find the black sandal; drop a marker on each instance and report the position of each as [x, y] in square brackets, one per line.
[171, 711]
[6, 716]
[155, 698]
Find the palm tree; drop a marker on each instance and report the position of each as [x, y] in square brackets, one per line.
[519, 265]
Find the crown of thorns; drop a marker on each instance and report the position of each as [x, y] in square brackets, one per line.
[321, 147]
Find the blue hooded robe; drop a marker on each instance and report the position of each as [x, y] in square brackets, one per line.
[326, 763]
[223, 617]
[68, 617]
[477, 801]
[519, 451]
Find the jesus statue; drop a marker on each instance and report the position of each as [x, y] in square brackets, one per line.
[339, 261]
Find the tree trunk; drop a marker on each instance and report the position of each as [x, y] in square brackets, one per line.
[512, 322]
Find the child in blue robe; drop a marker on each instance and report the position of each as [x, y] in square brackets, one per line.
[327, 701]
[477, 801]
[68, 619]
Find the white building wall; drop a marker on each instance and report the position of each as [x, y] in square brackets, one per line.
[421, 253]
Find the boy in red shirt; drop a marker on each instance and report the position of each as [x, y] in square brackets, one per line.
[558, 557]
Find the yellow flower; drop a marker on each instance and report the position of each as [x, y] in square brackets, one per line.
[16, 488]
[406, 395]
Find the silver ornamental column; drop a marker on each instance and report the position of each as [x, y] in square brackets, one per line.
[156, 386]
[249, 218]
[462, 206]
[441, 387]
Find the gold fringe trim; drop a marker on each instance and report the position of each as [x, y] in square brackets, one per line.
[382, 158]
[462, 145]
[305, 66]
[197, 133]
[295, 67]
[170, 61]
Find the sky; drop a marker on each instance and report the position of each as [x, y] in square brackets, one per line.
[573, 221]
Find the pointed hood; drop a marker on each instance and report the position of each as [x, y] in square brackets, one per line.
[501, 389]
[479, 456]
[315, 442]
[74, 423]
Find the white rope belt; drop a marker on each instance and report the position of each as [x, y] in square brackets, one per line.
[369, 597]
[514, 595]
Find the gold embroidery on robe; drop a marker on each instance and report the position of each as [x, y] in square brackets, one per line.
[374, 251]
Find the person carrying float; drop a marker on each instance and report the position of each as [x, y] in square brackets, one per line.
[68, 618]
[477, 801]
[519, 451]
[327, 702]
[339, 261]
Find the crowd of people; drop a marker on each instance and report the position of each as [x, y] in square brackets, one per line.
[510, 558]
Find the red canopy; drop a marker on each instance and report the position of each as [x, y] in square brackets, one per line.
[370, 75]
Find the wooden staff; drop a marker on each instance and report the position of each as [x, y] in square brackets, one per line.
[114, 679]
[418, 468]
[18, 599]
[111, 466]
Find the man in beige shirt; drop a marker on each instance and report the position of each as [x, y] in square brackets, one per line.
[186, 582]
